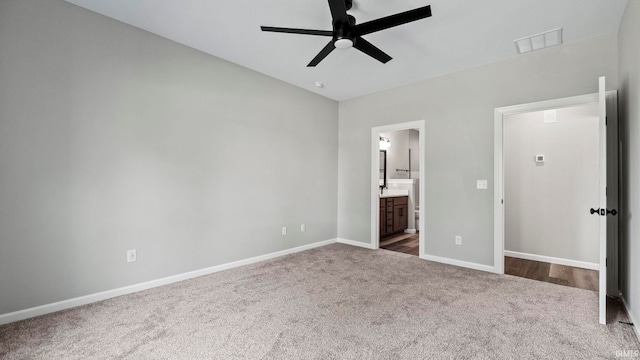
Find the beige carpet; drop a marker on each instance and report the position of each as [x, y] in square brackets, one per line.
[334, 302]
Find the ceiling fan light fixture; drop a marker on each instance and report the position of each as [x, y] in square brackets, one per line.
[343, 43]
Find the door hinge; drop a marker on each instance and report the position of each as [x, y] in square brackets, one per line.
[606, 262]
[606, 120]
[502, 201]
[606, 191]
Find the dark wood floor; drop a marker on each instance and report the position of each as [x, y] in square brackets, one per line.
[556, 274]
[404, 243]
[552, 273]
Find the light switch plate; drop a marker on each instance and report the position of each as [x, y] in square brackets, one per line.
[481, 184]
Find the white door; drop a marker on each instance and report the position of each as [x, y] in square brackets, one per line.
[602, 109]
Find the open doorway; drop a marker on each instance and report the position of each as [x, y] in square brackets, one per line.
[604, 210]
[397, 192]
[551, 175]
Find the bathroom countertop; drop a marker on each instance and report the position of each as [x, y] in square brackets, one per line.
[393, 193]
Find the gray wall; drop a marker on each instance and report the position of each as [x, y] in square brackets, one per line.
[629, 113]
[458, 109]
[397, 154]
[112, 139]
[546, 204]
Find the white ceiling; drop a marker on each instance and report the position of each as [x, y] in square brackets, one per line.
[461, 34]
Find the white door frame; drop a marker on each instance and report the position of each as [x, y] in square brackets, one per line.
[375, 171]
[498, 197]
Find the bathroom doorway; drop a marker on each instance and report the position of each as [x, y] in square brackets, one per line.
[397, 192]
[400, 176]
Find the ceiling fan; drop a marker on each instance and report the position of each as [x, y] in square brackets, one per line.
[347, 34]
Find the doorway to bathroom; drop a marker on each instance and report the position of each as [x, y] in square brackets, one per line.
[400, 176]
[397, 192]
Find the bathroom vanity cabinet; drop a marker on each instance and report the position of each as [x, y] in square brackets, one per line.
[394, 215]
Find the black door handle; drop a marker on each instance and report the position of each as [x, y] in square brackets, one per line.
[603, 212]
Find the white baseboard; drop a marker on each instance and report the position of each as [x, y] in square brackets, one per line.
[553, 260]
[410, 231]
[632, 318]
[83, 300]
[355, 243]
[443, 260]
[460, 263]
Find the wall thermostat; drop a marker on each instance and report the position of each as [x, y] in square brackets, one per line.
[539, 158]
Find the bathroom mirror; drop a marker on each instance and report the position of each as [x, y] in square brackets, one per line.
[382, 182]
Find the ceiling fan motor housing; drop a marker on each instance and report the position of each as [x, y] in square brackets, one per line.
[344, 31]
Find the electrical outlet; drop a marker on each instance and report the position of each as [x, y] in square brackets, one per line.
[481, 184]
[284, 230]
[302, 228]
[458, 240]
[131, 255]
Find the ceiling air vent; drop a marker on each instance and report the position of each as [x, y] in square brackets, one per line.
[539, 41]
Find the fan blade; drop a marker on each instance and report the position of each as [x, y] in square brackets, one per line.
[369, 49]
[393, 20]
[297, 31]
[322, 54]
[339, 11]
